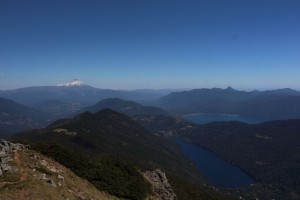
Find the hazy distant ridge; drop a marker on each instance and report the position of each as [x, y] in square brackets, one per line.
[78, 92]
[266, 105]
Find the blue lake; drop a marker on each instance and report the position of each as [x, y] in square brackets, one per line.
[215, 170]
[206, 118]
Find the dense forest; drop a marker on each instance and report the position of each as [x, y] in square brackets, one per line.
[270, 152]
[109, 146]
[107, 173]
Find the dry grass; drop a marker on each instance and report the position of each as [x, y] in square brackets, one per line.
[28, 183]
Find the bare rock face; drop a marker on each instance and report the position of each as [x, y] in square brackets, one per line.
[160, 185]
[6, 150]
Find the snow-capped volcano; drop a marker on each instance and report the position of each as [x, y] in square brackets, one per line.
[75, 82]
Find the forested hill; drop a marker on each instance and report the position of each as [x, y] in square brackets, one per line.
[109, 149]
[126, 107]
[269, 151]
[107, 132]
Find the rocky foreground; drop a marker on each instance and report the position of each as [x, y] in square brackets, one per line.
[26, 174]
[160, 185]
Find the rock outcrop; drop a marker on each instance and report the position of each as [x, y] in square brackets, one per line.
[6, 150]
[160, 185]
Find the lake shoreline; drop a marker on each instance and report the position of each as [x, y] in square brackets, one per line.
[238, 176]
[201, 118]
[224, 114]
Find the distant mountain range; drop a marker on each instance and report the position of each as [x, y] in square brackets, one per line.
[77, 92]
[264, 105]
[35, 107]
[48, 103]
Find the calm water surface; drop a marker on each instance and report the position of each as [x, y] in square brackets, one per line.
[206, 118]
[216, 171]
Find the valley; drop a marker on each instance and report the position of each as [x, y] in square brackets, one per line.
[145, 138]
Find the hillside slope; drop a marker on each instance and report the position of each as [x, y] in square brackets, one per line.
[108, 132]
[109, 149]
[15, 117]
[35, 176]
[269, 152]
[166, 126]
[129, 108]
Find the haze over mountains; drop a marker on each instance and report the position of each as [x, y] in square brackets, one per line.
[263, 105]
[15, 117]
[48, 103]
[43, 104]
[77, 92]
[104, 130]
[129, 108]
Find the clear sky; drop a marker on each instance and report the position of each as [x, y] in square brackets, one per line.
[131, 44]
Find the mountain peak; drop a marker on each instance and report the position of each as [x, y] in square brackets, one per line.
[229, 88]
[75, 82]
[126, 107]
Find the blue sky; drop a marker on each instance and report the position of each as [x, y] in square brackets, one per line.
[131, 44]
